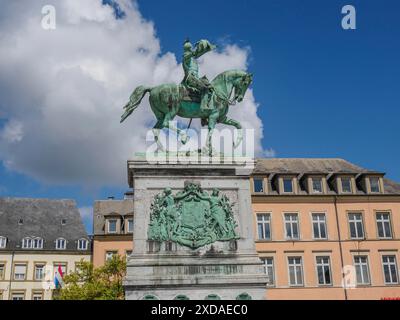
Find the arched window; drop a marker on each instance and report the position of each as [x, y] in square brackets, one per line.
[150, 297]
[212, 297]
[3, 242]
[32, 243]
[243, 296]
[181, 297]
[61, 244]
[82, 244]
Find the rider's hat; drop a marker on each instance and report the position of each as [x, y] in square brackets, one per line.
[187, 44]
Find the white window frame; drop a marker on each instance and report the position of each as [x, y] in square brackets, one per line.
[108, 225]
[82, 240]
[43, 272]
[318, 221]
[321, 183]
[356, 221]
[378, 184]
[323, 265]
[21, 294]
[295, 266]
[19, 278]
[63, 241]
[3, 242]
[283, 184]
[262, 184]
[361, 265]
[390, 264]
[127, 224]
[110, 254]
[350, 184]
[3, 273]
[291, 222]
[272, 268]
[263, 222]
[32, 243]
[383, 221]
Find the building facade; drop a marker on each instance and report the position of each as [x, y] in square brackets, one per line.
[112, 228]
[326, 229]
[38, 238]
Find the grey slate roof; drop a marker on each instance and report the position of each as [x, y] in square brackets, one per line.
[41, 218]
[328, 166]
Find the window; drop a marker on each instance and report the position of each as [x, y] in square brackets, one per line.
[39, 271]
[295, 271]
[356, 226]
[383, 225]
[287, 185]
[258, 184]
[319, 225]
[37, 295]
[269, 270]
[17, 296]
[57, 266]
[112, 226]
[82, 244]
[323, 270]
[291, 226]
[61, 244]
[130, 225]
[264, 226]
[3, 242]
[346, 185]
[317, 185]
[374, 184]
[110, 255]
[63, 222]
[32, 243]
[128, 252]
[20, 271]
[390, 269]
[362, 270]
[2, 270]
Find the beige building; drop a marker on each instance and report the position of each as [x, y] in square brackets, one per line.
[112, 228]
[326, 229]
[37, 238]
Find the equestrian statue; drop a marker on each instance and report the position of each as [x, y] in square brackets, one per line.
[194, 97]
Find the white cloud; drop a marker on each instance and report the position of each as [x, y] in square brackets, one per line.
[63, 90]
[269, 153]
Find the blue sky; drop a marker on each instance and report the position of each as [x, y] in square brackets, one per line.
[323, 91]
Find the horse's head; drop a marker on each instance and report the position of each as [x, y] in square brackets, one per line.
[241, 85]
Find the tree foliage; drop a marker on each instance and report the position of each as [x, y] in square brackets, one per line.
[90, 283]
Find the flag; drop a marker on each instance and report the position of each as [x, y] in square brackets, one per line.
[58, 277]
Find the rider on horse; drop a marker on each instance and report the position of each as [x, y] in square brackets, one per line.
[192, 81]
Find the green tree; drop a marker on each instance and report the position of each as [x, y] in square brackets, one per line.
[90, 283]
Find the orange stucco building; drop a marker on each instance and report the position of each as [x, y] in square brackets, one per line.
[326, 229]
[112, 228]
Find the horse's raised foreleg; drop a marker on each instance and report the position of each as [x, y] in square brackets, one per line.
[237, 125]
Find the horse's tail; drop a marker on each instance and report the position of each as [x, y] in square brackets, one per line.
[134, 101]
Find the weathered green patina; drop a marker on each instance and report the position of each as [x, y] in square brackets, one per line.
[194, 98]
[192, 217]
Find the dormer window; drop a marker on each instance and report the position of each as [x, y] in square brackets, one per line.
[129, 225]
[374, 184]
[32, 243]
[346, 184]
[258, 184]
[82, 244]
[112, 226]
[3, 242]
[61, 244]
[287, 185]
[63, 222]
[316, 185]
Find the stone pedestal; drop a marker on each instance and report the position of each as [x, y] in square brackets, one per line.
[167, 270]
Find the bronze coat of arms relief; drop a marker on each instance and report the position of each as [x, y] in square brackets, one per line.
[192, 217]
